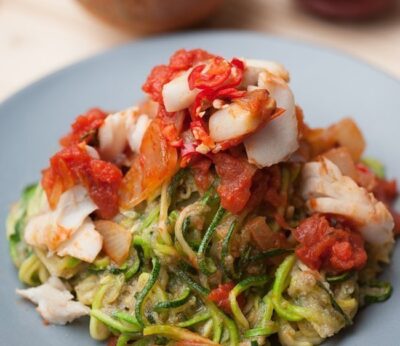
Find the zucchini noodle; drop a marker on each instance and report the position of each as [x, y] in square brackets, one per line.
[195, 208]
[200, 231]
[283, 308]
[165, 201]
[32, 271]
[207, 267]
[142, 294]
[239, 288]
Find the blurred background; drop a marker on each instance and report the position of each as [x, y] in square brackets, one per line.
[40, 36]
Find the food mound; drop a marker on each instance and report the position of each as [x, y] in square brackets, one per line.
[208, 214]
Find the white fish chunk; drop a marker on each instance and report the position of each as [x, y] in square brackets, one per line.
[254, 67]
[73, 207]
[276, 141]
[232, 122]
[55, 229]
[120, 130]
[177, 94]
[55, 302]
[327, 190]
[84, 244]
[113, 134]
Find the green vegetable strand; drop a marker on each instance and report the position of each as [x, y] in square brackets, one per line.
[267, 327]
[376, 292]
[144, 245]
[201, 254]
[123, 340]
[113, 323]
[239, 288]
[228, 323]
[335, 304]
[339, 278]
[200, 317]
[283, 308]
[134, 268]
[145, 291]
[194, 286]
[176, 333]
[170, 304]
[229, 272]
[126, 317]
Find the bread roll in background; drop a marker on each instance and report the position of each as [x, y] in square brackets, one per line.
[149, 16]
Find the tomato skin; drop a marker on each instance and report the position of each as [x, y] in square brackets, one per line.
[84, 127]
[220, 296]
[217, 73]
[236, 175]
[73, 165]
[159, 76]
[184, 59]
[104, 182]
[333, 249]
[162, 74]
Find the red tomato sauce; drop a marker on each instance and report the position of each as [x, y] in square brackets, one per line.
[73, 165]
[333, 249]
[236, 175]
[84, 127]
[220, 296]
[201, 173]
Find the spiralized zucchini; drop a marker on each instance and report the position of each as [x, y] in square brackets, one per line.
[186, 246]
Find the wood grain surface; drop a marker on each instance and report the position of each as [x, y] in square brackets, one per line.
[40, 36]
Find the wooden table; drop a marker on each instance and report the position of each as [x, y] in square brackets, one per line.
[40, 36]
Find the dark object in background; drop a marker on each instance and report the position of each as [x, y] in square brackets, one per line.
[147, 16]
[348, 9]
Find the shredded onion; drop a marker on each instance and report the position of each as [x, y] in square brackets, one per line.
[116, 240]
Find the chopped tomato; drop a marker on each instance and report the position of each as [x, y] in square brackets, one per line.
[84, 127]
[184, 59]
[266, 188]
[262, 237]
[73, 165]
[156, 163]
[104, 182]
[323, 246]
[217, 72]
[220, 296]
[236, 175]
[159, 76]
[202, 174]
[162, 74]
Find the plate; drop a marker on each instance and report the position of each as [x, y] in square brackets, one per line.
[327, 85]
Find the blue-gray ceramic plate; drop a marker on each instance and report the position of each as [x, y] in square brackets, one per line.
[328, 86]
